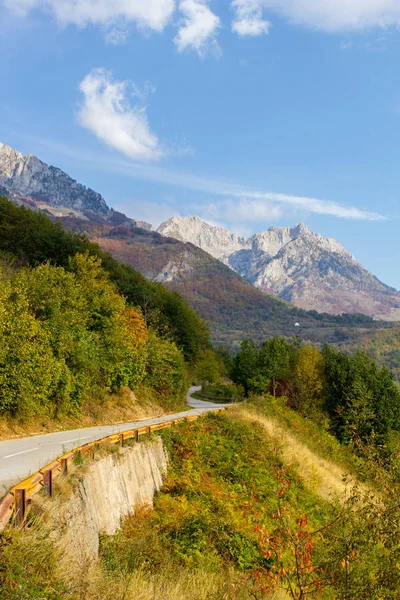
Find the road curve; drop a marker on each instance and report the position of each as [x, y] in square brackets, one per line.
[22, 457]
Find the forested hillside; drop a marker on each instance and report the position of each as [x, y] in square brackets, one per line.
[76, 326]
[353, 397]
[31, 238]
[383, 346]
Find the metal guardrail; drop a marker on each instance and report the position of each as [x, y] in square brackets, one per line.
[15, 503]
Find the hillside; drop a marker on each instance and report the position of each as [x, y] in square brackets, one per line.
[383, 346]
[233, 308]
[295, 264]
[30, 238]
[75, 346]
[254, 504]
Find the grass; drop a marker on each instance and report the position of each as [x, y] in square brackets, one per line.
[200, 541]
[222, 483]
[322, 476]
[315, 437]
[33, 567]
[197, 543]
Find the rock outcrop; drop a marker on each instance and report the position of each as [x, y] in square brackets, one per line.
[217, 241]
[299, 266]
[27, 180]
[111, 489]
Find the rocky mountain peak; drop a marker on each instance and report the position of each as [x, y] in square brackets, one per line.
[213, 239]
[294, 263]
[274, 239]
[29, 180]
[8, 160]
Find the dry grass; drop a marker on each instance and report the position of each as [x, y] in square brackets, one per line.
[116, 408]
[320, 475]
[171, 582]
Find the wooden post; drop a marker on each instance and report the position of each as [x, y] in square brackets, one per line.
[64, 466]
[136, 435]
[121, 440]
[149, 430]
[48, 482]
[20, 506]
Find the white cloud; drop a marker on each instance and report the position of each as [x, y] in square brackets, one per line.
[198, 27]
[318, 206]
[107, 112]
[249, 18]
[327, 15]
[116, 36]
[148, 14]
[241, 210]
[251, 203]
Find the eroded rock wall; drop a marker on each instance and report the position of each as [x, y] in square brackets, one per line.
[110, 490]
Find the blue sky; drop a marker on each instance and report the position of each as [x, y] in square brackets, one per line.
[249, 113]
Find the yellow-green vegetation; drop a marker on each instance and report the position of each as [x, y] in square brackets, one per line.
[235, 502]
[31, 238]
[241, 515]
[350, 394]
[382, 346]
[78, 329]
[66, 334]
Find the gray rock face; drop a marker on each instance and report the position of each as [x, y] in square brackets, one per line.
[215, 240]
[295, 264]
[29, 177]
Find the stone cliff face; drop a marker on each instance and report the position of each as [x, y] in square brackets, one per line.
[30, 181]
[111, 489]
[295, 264]
[215, 240]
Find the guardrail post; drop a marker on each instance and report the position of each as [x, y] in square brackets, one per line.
[20, 506]
[121, 440]
[64, 466]
[149, 430]
[48, 482]
[136, 435]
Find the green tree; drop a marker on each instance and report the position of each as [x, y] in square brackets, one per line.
[29, 373]
[361, 398]
[209, 368]
[309, 381]
[275, 360]
[165, 371]
[245, 365]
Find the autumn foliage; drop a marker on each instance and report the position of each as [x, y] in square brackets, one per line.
[67, 334]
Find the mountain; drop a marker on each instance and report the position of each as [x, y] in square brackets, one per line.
[233, 308]
[299, 266]
[29, 181]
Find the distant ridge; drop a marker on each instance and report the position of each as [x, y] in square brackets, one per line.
[293, 263]
[302, 267]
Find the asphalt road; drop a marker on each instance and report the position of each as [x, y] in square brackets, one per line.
[22, 457]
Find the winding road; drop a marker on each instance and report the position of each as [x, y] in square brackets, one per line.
[22, 457]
